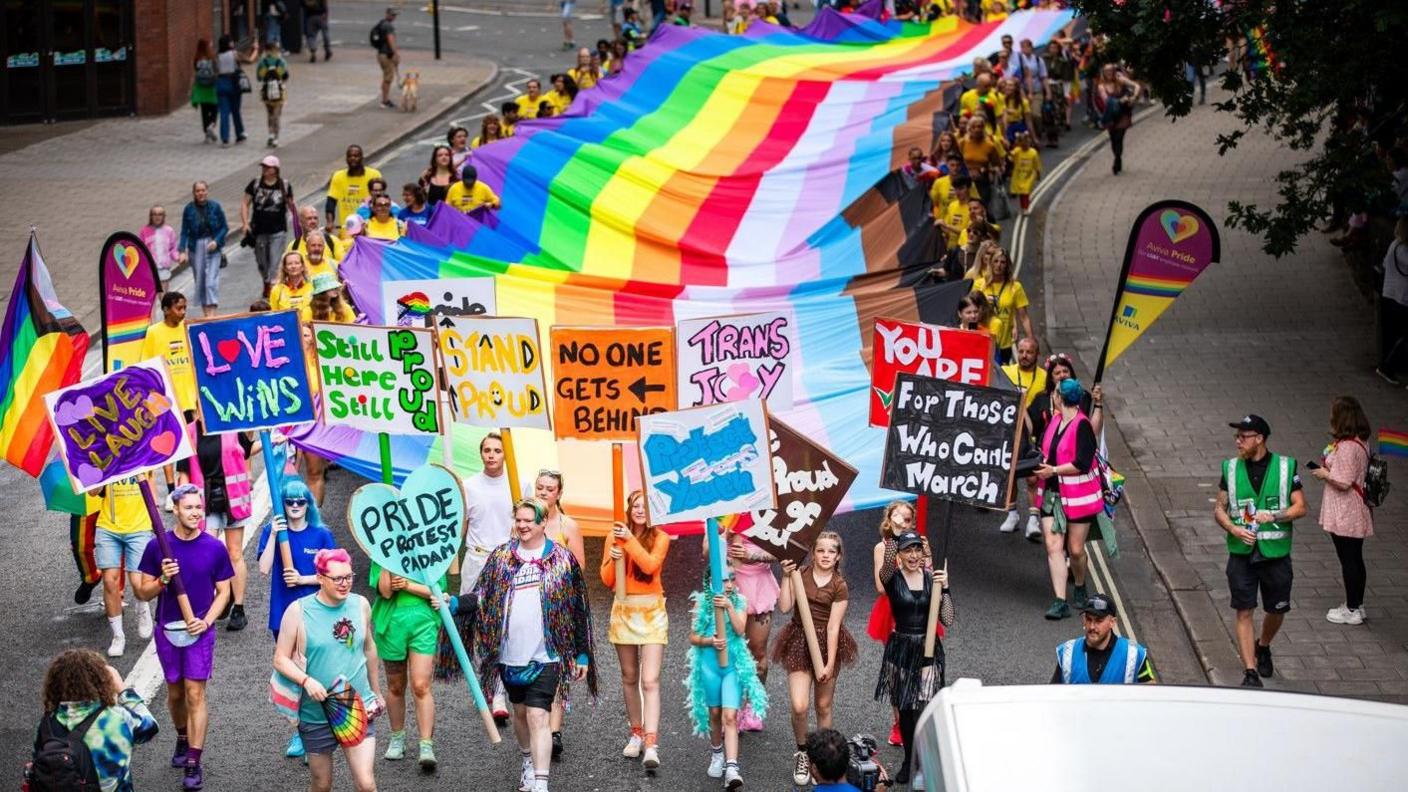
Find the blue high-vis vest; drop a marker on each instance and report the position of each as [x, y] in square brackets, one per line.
[1126, 659]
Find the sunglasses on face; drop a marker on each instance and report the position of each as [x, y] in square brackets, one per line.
[295, 501]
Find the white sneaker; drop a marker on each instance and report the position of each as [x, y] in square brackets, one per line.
[716, 764]
[1343, 615]
[144, 620]
[1033, 528]
[650, 758]
[633, 746]
[170, 503]
[732, 778]
[1010, 524]
[916, 781]
[118, 646]
[500, 707]
[801, 769]
[528, 777]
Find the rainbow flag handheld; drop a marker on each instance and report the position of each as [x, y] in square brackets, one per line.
[41, 349]
[1393, 442]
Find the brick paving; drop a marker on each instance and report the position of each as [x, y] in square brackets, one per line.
[1252, 334]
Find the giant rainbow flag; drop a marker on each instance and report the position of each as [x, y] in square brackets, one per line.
[715, 175]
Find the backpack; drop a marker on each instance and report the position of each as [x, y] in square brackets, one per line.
[205, 73]
[377, 38]
[1375, 489]
[62, 762]
[272, 89]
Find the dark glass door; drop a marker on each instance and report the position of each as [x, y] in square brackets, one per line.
[66, 59]
[70, 57]
[23, 82]
[112, 56]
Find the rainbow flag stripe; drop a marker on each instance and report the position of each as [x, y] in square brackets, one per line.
[715, 175]
[41, 349]
[1393, 442]
[127, 332]
[1155, 287]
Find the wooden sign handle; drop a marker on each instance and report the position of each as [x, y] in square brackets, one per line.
[163, 544]
[618, 510]
[804, 609]
[515, 487]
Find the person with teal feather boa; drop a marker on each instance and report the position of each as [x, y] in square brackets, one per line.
[717, 692]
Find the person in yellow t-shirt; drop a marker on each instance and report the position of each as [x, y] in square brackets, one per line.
[315, 258]
[955, 219]
[584, 73]
[1024, 371]
[528, 102]
[1009, 304]
[313, 227]
[971, 101]
[509, 111]
[347, 189]
[469, 193]
[560, 95]
[123, 530]
[1026, 171]
[293, 290]
[167, 340]
[381, 225]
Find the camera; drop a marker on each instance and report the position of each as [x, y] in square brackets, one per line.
[864, 771]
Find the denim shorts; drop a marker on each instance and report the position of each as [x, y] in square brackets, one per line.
[111, 548]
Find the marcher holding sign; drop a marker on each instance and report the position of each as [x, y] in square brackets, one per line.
[639, 626]
[717, 689]
[1071, 496]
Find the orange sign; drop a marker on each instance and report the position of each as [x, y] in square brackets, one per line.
[603, 377]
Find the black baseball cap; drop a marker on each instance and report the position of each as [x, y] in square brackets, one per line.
[1253, 423]
[1099, 605]
[907, 539]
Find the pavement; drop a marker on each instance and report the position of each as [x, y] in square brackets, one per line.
[1252, 334]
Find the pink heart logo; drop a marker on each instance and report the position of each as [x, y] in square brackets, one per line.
[228, 349]
[126, 259]
[1178, 226]
[164, 443]
[744, 382]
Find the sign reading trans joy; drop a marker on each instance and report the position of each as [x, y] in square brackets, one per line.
[732, 358]
[706, 462]
[250, 372]
[952, 441]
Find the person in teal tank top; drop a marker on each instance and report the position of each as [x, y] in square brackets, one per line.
[1258, 499]
[330, 629]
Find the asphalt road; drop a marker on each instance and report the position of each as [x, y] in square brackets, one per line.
[999, 583]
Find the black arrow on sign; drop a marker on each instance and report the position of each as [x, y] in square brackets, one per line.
[640, 388]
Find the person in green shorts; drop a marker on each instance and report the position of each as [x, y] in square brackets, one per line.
[407, 628]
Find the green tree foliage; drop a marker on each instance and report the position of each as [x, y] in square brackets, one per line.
[1330, 83]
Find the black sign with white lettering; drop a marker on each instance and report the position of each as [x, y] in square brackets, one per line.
[952, 441]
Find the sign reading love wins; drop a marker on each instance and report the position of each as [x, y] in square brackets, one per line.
[250, 372]
[494, 371]
[378, 379]
[118, 425]
[413, 532]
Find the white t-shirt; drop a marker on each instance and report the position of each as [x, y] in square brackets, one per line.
[523, 624]
[488, 512]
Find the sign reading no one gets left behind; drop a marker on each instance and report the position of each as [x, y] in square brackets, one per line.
[606, 377]
[952, 441]
[378, 379]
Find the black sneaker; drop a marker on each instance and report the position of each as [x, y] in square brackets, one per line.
[556, 745]
[237, 619]
[83, 593]
[1251, 679]
[1081, 598]
[1263, 661]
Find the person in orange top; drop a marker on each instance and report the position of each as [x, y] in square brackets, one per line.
[639, 625]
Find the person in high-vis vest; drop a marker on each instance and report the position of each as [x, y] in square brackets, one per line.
[1070, 495]
[1259, 497]
[1101, 657]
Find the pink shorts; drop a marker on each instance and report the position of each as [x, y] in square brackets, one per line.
[193, 662]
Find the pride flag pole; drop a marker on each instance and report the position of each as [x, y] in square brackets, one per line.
[618, 511]
[274, 476]
[716, 582]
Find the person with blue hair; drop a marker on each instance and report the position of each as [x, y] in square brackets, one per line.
[306, 536]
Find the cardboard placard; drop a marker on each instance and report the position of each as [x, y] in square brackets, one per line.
[378, 379]
[118, 425]
[731, 358]
[604, 378]
[952, 441]
[436, 302]
[810, 484]
[494, 372]
[250, 372]
[941, 352]
[706, 462]
[414, 531]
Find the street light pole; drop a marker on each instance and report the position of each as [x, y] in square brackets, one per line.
[435, 23]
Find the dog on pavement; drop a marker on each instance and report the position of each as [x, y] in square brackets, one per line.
[410, 91]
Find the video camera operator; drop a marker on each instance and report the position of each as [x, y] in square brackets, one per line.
[839, 765]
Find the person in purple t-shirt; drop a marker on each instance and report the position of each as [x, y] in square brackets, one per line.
[205, 570]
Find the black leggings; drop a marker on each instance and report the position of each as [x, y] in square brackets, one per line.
[1351, 554]
[1117, 142]
[909, 720]
[209, 114]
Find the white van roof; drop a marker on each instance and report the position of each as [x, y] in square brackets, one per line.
[1156, 737]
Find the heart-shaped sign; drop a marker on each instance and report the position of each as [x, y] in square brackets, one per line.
[126, 259]
[413, 532]
[228, 349]
[163, 443]
[1178, 226]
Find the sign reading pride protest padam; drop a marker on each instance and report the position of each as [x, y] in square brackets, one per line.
[413, 532]
[118, 425]
[250, 372]
[810, 482]
[732, 358]
[494, 370]
[943, 353]
[952, 441]
[378, 379]
[706, 462]
[436, 302]
[606, 377]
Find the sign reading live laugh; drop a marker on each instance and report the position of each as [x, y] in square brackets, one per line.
[706, 462]
[943, 353]
[810, 484]
[952, 441]
[732, 358]
[250, 372]
[436, 302]
[1172, 242]
[494, 370]
[128, 283]
[378, 379]
[606, 377]
[118, 425]
[413, 532]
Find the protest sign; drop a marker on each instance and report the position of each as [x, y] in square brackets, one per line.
[118, 425]
[494, 372]
[604, 378]
[706, 462]
[810, 484]
[127, 280]
[250, 372]
[943, 353]
[435, 302]
[952, 441]
[732, 358]
[378, 379]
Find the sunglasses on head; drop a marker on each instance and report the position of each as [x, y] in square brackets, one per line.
[295, 501]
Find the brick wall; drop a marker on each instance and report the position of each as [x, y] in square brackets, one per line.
[166, 32]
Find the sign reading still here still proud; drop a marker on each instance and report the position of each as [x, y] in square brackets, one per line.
[952, 441]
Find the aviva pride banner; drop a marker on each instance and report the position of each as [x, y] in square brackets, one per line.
[1171, 244]
[129, 287]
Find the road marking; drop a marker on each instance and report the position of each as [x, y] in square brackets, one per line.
[536, 14]
[466, 28]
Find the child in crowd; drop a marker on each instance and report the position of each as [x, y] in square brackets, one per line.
[716, 693]
[1026, 171]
